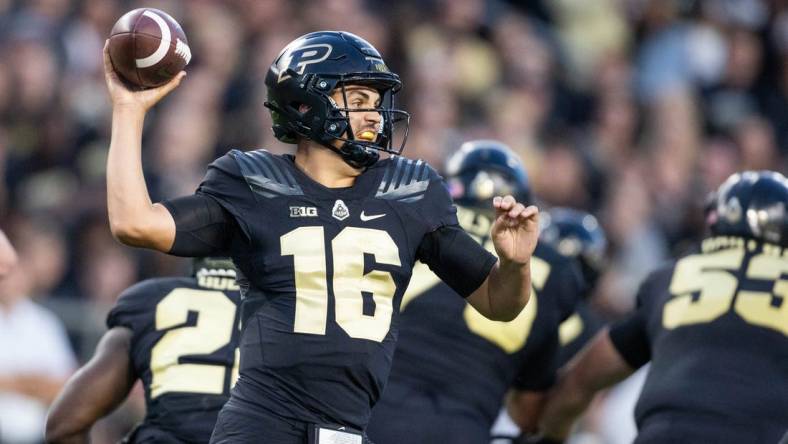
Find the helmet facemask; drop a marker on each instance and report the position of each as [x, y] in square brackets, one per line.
[363, 153]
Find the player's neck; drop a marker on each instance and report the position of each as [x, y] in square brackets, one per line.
[324, 166]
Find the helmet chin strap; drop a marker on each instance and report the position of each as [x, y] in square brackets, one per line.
[354, 154]
[357, 155]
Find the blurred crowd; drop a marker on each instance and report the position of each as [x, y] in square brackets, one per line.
[631, 109]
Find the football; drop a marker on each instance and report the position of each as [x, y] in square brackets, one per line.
[147, 47]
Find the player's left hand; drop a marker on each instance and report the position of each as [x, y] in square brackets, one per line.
[515, 230]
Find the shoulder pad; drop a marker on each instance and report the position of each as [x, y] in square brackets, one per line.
[266, 174]
[144, 292]
[405, 180]
[136, 303]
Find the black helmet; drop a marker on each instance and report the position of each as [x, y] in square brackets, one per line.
[578, 235]
[305, 74]
[753, 204]
[483, 169]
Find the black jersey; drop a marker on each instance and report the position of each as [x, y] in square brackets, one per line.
[324, 270]
[715, 327]
[452, 366]
[575, 332]
[184, 349]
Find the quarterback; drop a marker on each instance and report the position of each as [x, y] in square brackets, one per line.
[324, 241]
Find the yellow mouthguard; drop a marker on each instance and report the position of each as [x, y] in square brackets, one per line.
[367, 135]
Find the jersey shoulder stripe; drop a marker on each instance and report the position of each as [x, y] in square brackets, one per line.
[266, 174]
[404, 180]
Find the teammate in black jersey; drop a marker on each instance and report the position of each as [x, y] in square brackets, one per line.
[452, 366]
[577, 235]
[179, 336]
[714, 326]
[325, 240]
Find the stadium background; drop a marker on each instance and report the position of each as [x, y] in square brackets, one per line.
[631, 109]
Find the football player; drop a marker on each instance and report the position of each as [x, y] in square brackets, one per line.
[453, 366]
[324, 240]
[714, 326]
[577, 235]
[179, 336]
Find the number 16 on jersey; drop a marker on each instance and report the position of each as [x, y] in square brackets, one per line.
[307, 246]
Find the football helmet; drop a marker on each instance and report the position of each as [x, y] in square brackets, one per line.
[300, 83]
[483, 169]
[753, 204]
[578, 235]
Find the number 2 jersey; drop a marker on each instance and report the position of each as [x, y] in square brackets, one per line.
[715, 327]
[324, 270]
[184, 350]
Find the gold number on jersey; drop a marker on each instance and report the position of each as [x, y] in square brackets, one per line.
[706, 273]
[213, 330]
[349, 281]
[757, 307]
[306, 245]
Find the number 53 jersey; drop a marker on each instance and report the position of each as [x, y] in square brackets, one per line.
[715, 327]
[324, 272]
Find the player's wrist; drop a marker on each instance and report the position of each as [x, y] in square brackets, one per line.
[128, 116]
[522, 268]
[129, 107]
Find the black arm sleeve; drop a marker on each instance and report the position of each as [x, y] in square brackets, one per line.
[630, 338]
[456, 258]
[202, 226]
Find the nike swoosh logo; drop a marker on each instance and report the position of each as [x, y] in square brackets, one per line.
[366, 218]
